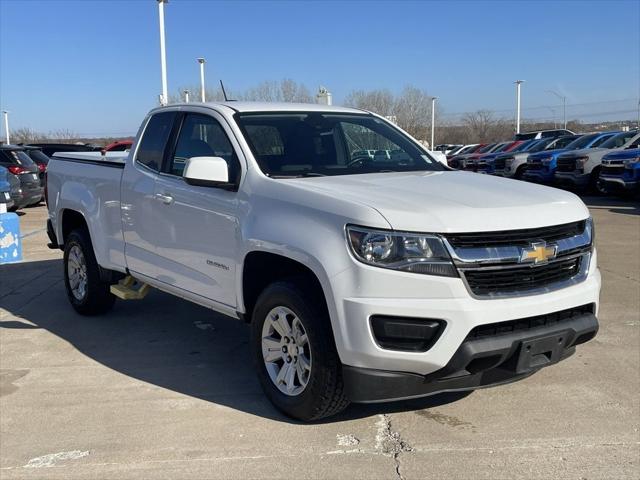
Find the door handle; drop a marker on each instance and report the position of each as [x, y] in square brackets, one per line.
[166, 199]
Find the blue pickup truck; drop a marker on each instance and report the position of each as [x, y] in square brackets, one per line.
[541, 167]
[620, 172]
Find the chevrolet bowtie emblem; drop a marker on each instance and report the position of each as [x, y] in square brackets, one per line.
[538, 253]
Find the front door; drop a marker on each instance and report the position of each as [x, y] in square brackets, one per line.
[197, 227]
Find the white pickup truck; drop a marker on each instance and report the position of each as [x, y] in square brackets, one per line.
[363, 279]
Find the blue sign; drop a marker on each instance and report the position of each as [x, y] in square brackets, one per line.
[10, 243]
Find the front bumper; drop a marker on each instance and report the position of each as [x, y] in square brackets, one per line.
[626, 182]
[544, 176]
[362, 292]
[578, 179]
[477, 363]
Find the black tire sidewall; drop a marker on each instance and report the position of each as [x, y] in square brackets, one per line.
[97, 298]
[324, 357]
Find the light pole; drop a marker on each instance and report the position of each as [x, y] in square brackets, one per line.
[186, 96]
[564, 106]
[518, 83]
[201, 61]
[163, 53]
[5, 113]
[433, 121]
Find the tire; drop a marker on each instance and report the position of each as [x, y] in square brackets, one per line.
[81, 270]
[323, 395]
[595, 187]
[520, 172]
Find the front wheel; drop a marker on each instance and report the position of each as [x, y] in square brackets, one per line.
[596, 187]
[295, 355]
[87, 292]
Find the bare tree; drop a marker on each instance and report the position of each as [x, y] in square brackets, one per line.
[25, 135]
[483, 126]
[286, 90]
[381, 102]
[413, 112]
[211, 94]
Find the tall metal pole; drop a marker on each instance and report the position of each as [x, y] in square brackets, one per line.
[5, 113]
[201, 61]
[518, 83]
[163, 53]
[433, 121]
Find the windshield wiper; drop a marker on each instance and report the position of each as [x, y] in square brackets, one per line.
[300, 175]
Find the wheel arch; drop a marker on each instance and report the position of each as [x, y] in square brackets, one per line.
[70, 220]
[261, 268]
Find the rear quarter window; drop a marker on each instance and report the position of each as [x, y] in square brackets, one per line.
[154, 140]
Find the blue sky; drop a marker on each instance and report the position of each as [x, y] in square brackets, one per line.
[93, 66]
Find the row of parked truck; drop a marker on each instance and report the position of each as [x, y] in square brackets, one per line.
[602, 162]
[23, 167]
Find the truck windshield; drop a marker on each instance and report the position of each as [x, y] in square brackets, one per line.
[316, 144]
[582, 142]
[619, 140]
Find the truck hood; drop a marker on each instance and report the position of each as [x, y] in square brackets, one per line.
[444, 202]
[622, 154]
[590, 152]
[548, 153]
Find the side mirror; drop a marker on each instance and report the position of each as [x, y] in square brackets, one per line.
[207, 172]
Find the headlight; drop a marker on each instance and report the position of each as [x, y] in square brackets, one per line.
[580, 161]
[409, 252]
[631, 162]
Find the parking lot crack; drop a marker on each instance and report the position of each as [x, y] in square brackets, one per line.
[390, 443]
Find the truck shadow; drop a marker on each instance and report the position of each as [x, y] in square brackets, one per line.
[161, 340]
[625, 206]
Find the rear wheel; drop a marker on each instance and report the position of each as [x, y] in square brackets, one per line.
[295, 354]
[88, 294]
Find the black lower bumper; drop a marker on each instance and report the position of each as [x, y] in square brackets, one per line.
[478, 363]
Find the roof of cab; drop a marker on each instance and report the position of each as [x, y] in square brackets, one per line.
[244, 107]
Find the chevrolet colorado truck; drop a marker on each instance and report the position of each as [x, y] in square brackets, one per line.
[581, 168]
[620, 172]
[363, 279]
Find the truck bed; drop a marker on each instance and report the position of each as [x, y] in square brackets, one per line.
[89, 182]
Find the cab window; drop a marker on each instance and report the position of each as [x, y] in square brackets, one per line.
[154, 140]
[202, 136]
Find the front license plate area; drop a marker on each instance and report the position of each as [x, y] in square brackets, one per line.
[535, 354]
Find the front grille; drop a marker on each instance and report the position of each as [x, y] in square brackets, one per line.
[534, 167]
[612, 169]
[500, 164]
[529, 323]
[566, 164]
[508, 280]
[518, 238]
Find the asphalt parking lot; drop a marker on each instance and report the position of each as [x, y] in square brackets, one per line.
[162, 388]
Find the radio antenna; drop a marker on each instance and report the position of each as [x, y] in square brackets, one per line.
[224, 93]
